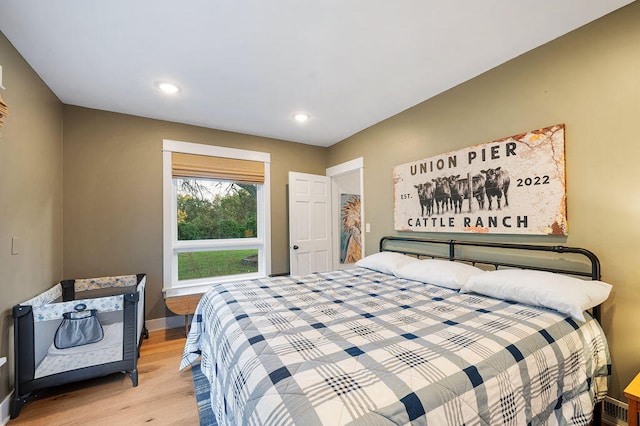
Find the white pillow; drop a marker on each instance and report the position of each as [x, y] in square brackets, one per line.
[385, 261]
[443, 273]
[565, 294]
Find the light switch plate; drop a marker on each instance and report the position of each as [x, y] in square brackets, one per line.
[15, 245]
[367, 227]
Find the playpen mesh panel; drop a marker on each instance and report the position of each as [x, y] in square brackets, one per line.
[50, 360]
[109, 349]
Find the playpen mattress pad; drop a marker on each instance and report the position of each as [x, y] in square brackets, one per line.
[109, 349]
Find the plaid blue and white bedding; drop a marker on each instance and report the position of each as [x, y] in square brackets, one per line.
[364, 348]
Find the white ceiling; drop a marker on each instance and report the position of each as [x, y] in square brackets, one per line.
[249, 65]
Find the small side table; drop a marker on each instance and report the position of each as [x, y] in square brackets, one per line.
[183, 305]
[632, 392]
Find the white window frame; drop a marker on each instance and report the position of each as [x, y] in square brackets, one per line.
[171, 246]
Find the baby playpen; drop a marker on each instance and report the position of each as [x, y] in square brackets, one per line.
[39, 361]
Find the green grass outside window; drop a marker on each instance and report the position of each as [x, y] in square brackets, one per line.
[192, 265]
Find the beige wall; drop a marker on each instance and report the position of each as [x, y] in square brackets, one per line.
[588, 80]
[30, 193]
[113, 192]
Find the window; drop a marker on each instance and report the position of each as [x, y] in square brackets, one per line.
[216, 210]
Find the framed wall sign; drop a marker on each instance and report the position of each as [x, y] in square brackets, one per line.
[515, 185]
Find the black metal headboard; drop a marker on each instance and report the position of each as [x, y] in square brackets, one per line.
[500, 255]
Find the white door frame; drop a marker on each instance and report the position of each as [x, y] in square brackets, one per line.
[357, 164]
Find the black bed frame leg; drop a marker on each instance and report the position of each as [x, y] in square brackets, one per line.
[597, 414]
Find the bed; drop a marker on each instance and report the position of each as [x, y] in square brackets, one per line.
[377, 344]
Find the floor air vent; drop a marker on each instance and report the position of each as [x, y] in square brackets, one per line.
[614, 412]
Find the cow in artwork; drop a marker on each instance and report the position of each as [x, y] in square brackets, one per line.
[497, 185]
[460, 191]
[479, 190]
[441, 194]
[425, 194]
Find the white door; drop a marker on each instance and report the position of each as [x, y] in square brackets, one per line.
[310, 240]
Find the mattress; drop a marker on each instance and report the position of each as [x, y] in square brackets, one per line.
[362, 347]
[109, 349]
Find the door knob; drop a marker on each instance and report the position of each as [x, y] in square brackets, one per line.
[296, 247]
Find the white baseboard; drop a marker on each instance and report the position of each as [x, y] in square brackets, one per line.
[4, 409]
[165, 323]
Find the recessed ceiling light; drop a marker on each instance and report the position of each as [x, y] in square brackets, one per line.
[168, 87]
[301, 117]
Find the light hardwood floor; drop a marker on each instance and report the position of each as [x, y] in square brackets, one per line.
[164, 396]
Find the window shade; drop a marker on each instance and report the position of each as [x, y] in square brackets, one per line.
[202, 166]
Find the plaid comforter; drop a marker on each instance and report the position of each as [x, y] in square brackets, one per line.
[365, 348]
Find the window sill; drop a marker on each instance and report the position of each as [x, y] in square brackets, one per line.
[202, 286]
